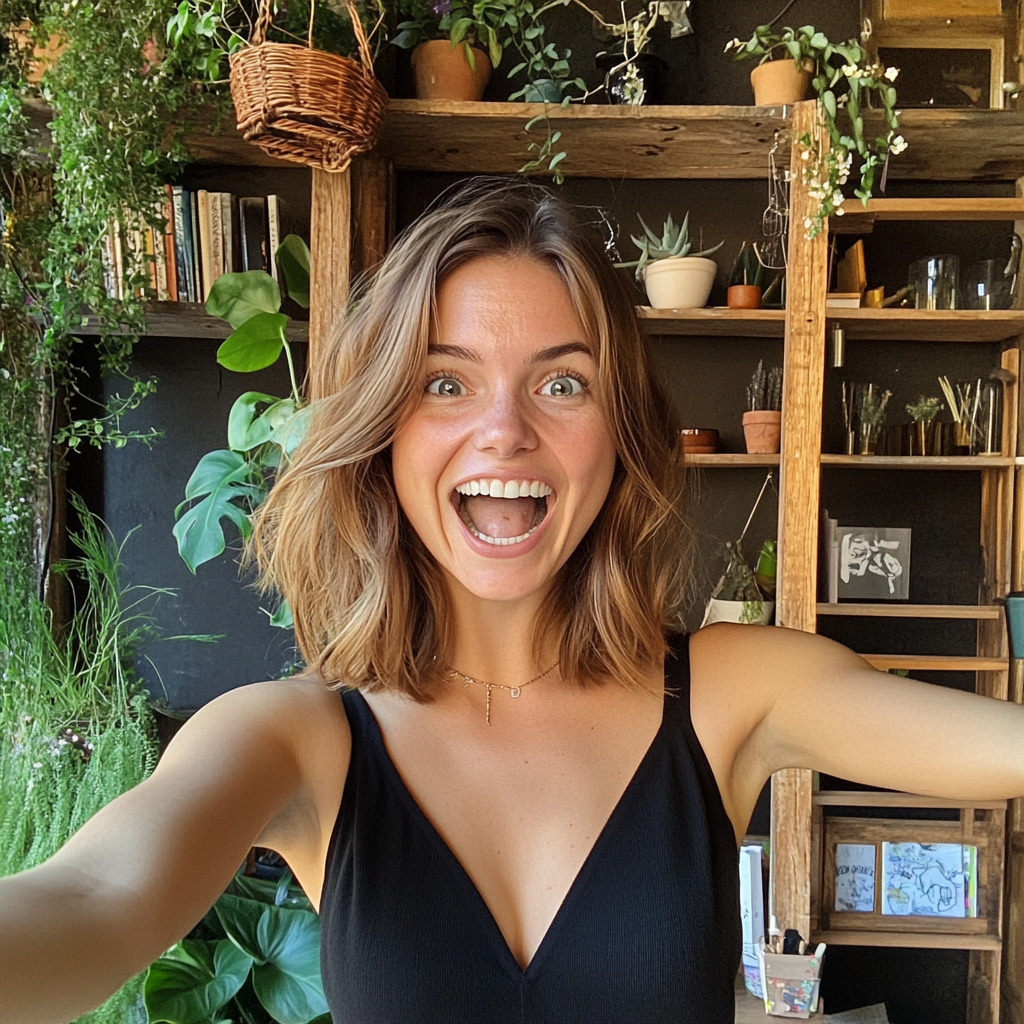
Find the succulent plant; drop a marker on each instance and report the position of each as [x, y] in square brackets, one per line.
[674, 241]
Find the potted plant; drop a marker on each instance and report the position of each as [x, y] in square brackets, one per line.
[454, 43]
[263, 430]
[923, 439]
[843, 75]
[762, 422]
[788, 60]
[674, 278]
[746, 280]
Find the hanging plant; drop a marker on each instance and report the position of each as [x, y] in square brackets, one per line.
[846, 79]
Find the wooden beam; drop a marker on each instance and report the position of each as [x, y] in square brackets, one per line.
[799, 485]
[373, 211]
[330, 255]
[913, 611]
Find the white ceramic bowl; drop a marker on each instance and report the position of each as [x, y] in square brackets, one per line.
[679, 282]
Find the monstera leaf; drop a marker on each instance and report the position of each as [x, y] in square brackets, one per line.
[222, 484]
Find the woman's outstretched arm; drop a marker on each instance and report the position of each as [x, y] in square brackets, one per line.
[772, 698]
[143, 871]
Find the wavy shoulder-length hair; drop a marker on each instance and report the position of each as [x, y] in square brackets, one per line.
[370, 605]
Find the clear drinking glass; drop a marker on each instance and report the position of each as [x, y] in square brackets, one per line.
[935, 280]
[869, 405]
[982, 415]
[986, 286]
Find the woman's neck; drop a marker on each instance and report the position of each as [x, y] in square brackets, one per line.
[494, 639]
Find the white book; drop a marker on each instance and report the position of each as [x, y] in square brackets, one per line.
[227, 224]
[273, 234]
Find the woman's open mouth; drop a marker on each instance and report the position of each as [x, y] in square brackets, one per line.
[501, 512]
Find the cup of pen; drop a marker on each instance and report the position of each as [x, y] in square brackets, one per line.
[791, 982]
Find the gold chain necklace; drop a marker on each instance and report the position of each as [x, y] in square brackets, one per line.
[513, 691]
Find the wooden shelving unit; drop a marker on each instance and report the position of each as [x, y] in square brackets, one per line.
[351, 218]
[190, 320]
[975, 463]
[912, 611]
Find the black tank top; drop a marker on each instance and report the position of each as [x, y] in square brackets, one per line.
[648, 932]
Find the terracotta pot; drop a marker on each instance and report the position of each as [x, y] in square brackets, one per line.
[679, 282]
[43, 57]
[781, 82]
[443, 73]
[762, 430]
[698, 441]
[744, 296]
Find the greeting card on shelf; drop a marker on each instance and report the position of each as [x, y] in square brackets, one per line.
[855, 877]
[930, 879]
[864, 563]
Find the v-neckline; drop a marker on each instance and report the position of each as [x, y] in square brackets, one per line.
[459, 869]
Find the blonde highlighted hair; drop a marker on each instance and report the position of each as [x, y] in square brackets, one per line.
[370, 605]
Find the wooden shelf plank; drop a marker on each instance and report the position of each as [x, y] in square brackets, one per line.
[725, 460]
[912, 940]
[601, 140]
[955, 325]
[716, 321]
[936, 662]
[859, 798]
[913, 611]
[858, 217]
[190, 320]
[959, 462]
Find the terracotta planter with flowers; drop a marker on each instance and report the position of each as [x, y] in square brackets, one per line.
[443, 72]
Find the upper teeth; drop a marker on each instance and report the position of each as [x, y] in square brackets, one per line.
[506, 488]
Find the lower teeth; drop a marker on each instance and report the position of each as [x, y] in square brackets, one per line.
[500, 540]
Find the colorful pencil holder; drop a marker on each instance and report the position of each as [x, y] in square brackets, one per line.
[790, 983]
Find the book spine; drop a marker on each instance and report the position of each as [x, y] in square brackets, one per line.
[155, 261]
[197, 273]
[207, 249]
[118, 259]
[170, 257]
[253, 229]
[227, 241]
[182, 242]
[273, 234]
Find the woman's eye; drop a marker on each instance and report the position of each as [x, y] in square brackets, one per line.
[564, 387]
[447, 387]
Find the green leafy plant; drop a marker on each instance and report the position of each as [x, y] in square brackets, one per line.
[924, 410]
[748, 269]
[228, 485]
[204, 33]
[845, 78]
[256, 952]
[76, 726]
[674, 241]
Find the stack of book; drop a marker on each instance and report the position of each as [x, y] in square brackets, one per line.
[205, 234]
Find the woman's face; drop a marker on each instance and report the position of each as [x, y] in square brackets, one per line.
[507, 459]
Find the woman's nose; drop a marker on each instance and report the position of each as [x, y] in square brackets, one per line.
[505, 426]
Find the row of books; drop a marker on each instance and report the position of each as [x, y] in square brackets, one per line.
[205, 234]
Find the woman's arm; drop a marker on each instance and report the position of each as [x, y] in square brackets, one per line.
[143, 871]
[776, 698]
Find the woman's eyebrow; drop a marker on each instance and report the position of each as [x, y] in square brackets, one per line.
[453, 352]
[544, 355]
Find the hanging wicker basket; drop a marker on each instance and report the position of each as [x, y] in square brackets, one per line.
[304, 105]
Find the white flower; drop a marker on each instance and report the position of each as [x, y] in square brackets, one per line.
[839, 211]
[851, 70]
[733, 44]
[891, 73]
[837, 198]
[897, 145]
[808, 222]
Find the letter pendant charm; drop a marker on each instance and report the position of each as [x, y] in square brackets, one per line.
[515, 691]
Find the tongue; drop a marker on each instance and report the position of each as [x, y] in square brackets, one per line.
[500, 517]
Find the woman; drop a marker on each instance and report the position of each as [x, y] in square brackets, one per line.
[540, 797]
